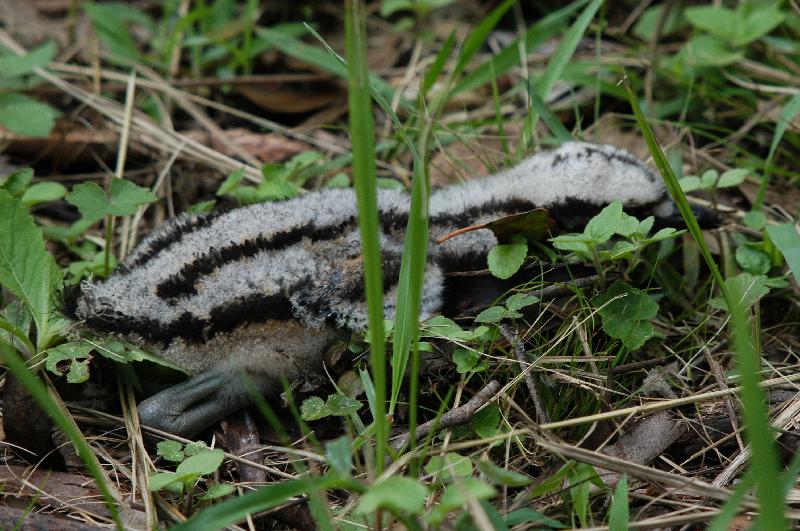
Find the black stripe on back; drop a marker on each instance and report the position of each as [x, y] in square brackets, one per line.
[177, 231]
[183, 283]
[251, 309]
[513, 205]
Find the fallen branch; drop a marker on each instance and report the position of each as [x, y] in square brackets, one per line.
[455, 417]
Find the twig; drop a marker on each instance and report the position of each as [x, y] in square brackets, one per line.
[519, 352]
[454, 417]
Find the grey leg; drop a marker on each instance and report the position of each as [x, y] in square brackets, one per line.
[189, 407]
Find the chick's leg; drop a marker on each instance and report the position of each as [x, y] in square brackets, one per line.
[189, 407]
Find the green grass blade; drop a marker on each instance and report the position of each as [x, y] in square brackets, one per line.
[786, 117]
[566, 48]
[730, 509]
[38, 391]
[478, 36]
[362, 136]
[509, 56]
[436, 68]
[618, 514]
[550, 119]
[765, 458]
[323, 60]
[237, 508]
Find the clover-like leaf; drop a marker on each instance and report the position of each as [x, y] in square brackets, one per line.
[123, 199]
[626, 313]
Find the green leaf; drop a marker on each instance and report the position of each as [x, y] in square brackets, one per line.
[171, 450]
[495, 314]
[13, 65]
[338, 455]
[164, 480]
[618, 514]
[519, 301]
[604, 225]
[16, 183]
[397, 494]
[528, 515]
[201, 464]
[752, 260]
[123, 199]
[468, 360]
[720, 21]
[651, 21]
[195, 447]
[25, 116]
[314, 408]
[787, 240]
[449, 466]
[457, 493]
[111, 21]
[27, 269]
[486, 422]
[704, 50]
[74, 352]
[733, 177]
[342, 405]
[441, 326]
[745, 289]
[219, 490]
[231, 182]
[503, 476]
[755, 219]
[627, 317]
[43, 193]
[506, 259]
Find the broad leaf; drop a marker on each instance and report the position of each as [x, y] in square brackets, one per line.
[26, 268]
[25, 116]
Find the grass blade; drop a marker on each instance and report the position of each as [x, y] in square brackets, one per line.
[787, 240]
[786, 117]
[765, 458]
[509, 56]
[38, 391]
[362, 136]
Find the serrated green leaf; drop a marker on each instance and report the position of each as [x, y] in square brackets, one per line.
[72, 351]
[25, 116]
[397, 494]
[604, 225]
[626, 313]
[170, 450]
[123, 199]
[495, 314]
[468, 360]
[27, 269]
[43, 193]
[314, 408]
[504, 260]
[342, 405]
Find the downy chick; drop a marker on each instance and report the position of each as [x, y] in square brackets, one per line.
[264, 289]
